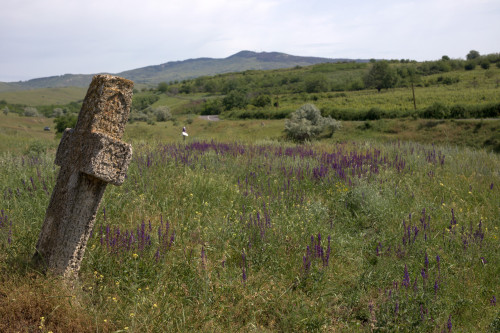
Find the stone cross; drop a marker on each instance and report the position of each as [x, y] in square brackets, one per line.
[90, 156]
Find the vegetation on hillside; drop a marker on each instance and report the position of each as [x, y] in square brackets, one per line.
[442, 89]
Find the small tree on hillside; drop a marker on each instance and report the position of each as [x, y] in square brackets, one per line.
[307, 123]
[163, 87]
[473, 54]
[30, 111]
[162, 113]
[381, 76]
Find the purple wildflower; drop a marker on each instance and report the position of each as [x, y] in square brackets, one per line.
[449, 325]
[424, 274]
[493, 301]
[406, 278]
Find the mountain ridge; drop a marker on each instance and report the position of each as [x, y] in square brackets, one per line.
[181, 70]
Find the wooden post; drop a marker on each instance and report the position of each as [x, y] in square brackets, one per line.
[414, 101]
[90, 156]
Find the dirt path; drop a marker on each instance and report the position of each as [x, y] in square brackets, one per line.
[210, 118]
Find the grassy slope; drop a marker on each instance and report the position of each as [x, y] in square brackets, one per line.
[18, 133]
[44, 96]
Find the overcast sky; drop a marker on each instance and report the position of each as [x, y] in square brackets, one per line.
[41, 38]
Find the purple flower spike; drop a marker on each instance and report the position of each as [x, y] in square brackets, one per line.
[423, 273]
[449, 325]
[436, 287]
[406, 278]
[493, 301]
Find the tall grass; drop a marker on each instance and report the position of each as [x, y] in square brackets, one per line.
[213, 236]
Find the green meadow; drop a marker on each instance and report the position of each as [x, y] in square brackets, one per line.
[389, 225]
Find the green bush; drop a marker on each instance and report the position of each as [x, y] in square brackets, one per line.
[485, 64]
[234, 99]
[307, 123]
[162, 113]
[436, 111]
[261, 101]
[374, 114]
[459, 111]
[470, 65]
[212, 106]
[140, 102]
[30, 111]
[65, 121]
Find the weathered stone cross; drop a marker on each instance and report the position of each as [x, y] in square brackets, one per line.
[90, 156]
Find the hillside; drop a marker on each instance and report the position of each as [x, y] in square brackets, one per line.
[180, 70]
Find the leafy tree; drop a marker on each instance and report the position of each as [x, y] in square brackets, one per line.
[485, 64]
[210, 86]
[162, 113]
[470, 65]
[473, 54]
[316, 83]
[186, 89]
[212, 106]
[163, 87]
[261, 101]
[140, 102]
[30, 111]
[65, 121]
[57, 112]
[235, 99]
[445, 58]
[381, 75]
[307, 123]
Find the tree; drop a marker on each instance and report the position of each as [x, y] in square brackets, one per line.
[30, 111]
[307, 123]
[381, 75]
[57, 112]
[261, 101]
[66, 121]
[316, 84]
[163, 87]
[473, 54]
[485, 64]
[162, 113]
[235, 99]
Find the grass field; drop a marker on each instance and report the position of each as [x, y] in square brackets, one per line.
[376, 229]
[44, 96]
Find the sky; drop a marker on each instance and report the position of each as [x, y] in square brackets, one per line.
[40, 38]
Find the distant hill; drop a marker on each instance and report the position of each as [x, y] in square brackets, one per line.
[181, 70]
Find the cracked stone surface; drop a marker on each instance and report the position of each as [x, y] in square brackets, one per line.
[90, 156]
